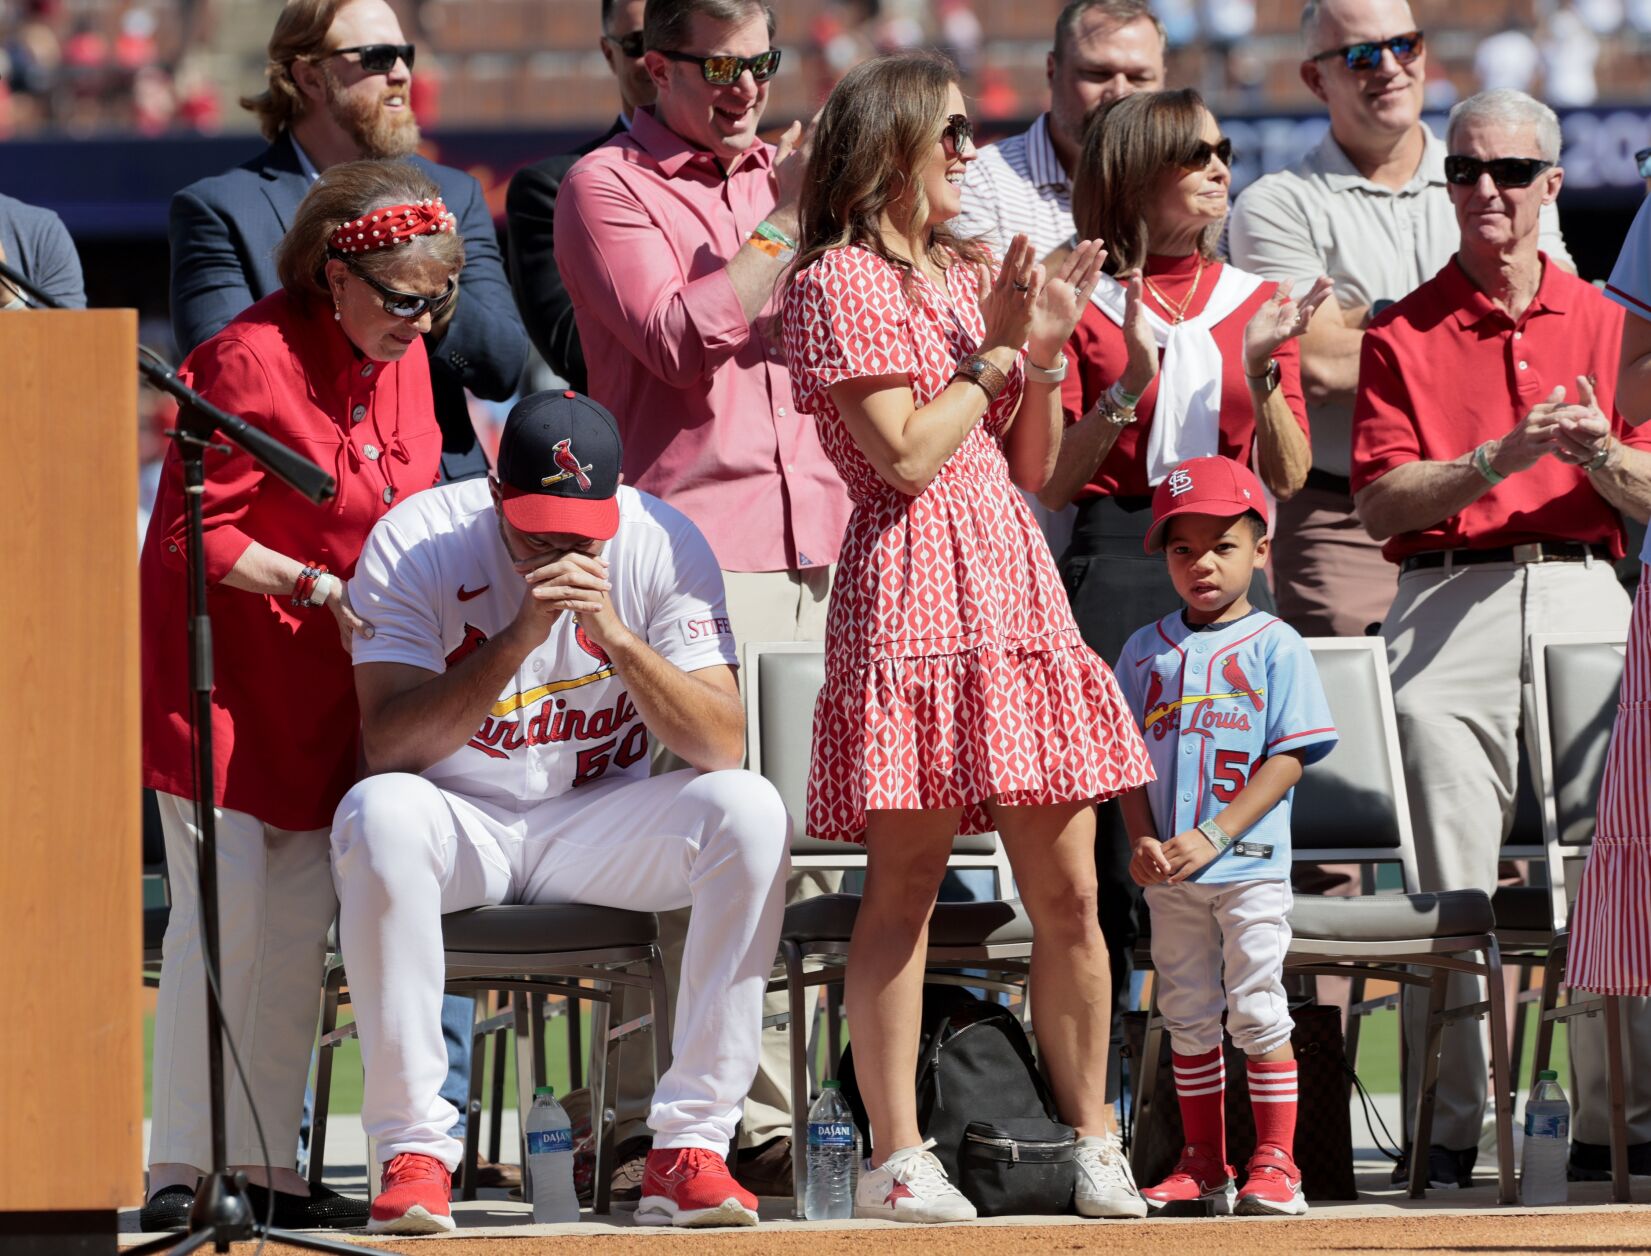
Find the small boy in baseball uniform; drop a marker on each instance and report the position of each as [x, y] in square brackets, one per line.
[1232, 710]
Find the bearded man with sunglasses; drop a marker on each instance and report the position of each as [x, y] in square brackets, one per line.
[339, 78]
[1367, 207]
[671, 239]
[1489, 455]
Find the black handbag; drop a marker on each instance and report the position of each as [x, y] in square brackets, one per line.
[1018, 1166]
[1324, 1130]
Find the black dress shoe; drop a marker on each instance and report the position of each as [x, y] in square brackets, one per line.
[1446, 1169]
[1591, 1162]
[321, 1209]
[168, 1210]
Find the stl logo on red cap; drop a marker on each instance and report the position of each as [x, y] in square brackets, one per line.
[562, 451]
[1180, 481]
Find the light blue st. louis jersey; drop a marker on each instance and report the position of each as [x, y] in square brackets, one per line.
[1212, 705]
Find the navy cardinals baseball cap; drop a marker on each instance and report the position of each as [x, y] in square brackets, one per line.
[559, 466]
[1205, 486]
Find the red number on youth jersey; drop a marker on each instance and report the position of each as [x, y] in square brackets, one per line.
[1231, 768]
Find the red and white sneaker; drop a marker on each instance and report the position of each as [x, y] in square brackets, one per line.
[1272, 1185]
[416, 1197]
[1197, 1176]
[689, 1186]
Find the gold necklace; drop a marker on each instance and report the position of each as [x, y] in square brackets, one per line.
[1177, 312]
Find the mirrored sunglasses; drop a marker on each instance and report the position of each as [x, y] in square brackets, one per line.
[378, 58]
[1367, 56]
[408, 305]
[631, 45]
[725, 68]
[958, 133]
[1204, 150]
[1505, 172]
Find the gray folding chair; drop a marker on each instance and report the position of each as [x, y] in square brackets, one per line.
[535, 951]
[993, 939]
[1577, 678]
[1351, 807]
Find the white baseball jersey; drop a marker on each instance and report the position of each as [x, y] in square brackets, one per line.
[1213, 703]
[436, 583]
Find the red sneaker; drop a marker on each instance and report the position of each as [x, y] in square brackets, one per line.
[416, 1197]
[1196, 1176]
[1272, 1185]
[689, 1186]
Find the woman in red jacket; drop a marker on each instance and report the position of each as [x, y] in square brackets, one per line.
[334, 366]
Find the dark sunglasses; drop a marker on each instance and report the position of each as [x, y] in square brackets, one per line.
[408, 305]
[1505, 172]
[631, 45]
[725, 68]
[378, 58]
[1204, 150]
[1367, 56]
[959, 131]
[1642, 160]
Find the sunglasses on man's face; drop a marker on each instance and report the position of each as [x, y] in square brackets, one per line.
[724, 69]
[1200, 156]
[408, 305]
[959, 133]
[1642, 160]
[1505, 172]
[378, 58]
[631, 45]
[1367, 56]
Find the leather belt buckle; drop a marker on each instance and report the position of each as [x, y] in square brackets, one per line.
[1528, 553]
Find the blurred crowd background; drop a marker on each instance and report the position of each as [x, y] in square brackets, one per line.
[157, 66]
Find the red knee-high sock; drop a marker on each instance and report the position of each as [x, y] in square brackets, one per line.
[1200, 1088]
[1273, 1099]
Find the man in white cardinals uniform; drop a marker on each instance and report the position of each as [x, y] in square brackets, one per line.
[527, 634]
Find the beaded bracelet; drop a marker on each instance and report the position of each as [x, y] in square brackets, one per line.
[303, 588]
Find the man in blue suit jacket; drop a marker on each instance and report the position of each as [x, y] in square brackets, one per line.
[338, 91]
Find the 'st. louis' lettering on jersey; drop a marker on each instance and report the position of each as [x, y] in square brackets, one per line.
[437, 584]
[1213, 703]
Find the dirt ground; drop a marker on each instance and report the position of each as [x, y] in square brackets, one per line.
[1571, 1233]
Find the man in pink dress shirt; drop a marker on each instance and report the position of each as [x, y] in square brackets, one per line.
[671, 239]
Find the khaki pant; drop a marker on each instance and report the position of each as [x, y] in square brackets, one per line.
[1457, 642]
[1329, 575]
[762, 606]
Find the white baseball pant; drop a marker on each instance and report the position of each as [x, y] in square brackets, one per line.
[1218, 947]
[275, 902]
[405, 852]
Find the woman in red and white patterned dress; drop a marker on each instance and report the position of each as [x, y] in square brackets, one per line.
[959, 695]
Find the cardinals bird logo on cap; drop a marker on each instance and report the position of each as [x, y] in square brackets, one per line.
[571, 468]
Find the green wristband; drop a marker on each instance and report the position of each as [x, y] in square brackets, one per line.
[1481, 464]
[1217, 836]
[770, 232]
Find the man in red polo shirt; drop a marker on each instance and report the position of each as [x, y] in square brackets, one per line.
[1489, 456]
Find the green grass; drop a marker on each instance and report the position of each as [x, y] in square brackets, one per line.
[1377, 1065]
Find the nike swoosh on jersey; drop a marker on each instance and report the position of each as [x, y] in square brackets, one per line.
[466, 594]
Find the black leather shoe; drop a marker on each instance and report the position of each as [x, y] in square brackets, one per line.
[1446, 1169]
[169, 1209]
[1591, 1162]
[321, 1209]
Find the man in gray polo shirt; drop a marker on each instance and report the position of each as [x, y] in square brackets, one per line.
[1104, 49]
[1367, 207]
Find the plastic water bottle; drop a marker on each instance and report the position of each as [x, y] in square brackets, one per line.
[830, 1192]
[1542, 1177]
[550, 1160]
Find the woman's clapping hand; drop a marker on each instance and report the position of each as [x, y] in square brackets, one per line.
[1281, 318]
[1058, 305]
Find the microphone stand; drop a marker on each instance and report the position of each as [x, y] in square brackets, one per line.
[221, 1213]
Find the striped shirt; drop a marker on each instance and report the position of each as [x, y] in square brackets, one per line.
[1016, 185]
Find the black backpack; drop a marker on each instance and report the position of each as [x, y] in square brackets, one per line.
[982, 1099]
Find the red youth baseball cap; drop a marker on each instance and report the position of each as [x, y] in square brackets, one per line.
[559, 459]
[1204, 486]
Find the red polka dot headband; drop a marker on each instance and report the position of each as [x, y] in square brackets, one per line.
[394, 224]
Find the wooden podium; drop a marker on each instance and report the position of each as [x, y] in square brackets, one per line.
[70, 876]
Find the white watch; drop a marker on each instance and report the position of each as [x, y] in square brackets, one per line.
[322, 593]
[1046, 374]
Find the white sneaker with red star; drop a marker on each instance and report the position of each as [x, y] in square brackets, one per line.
[910, 1185]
